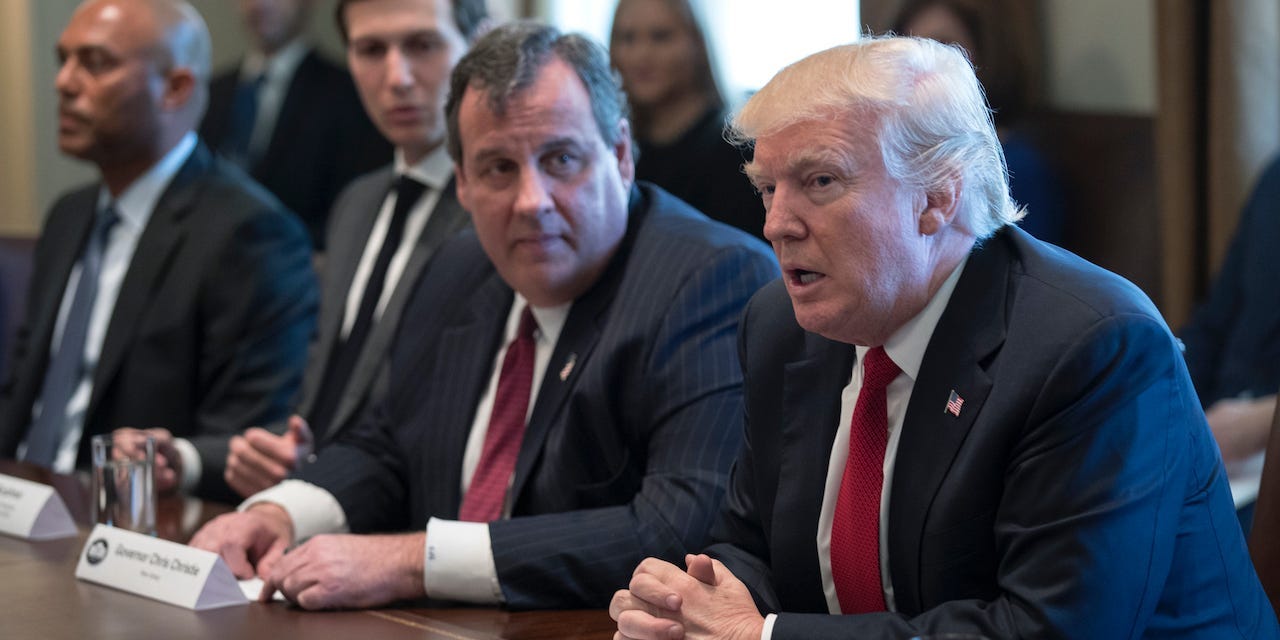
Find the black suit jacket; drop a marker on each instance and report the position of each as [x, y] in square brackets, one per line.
[322, 139]
[633, 429]
[1078, 494]
[209, 332]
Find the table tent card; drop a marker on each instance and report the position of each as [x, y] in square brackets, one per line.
[33, 511]
[158, 569]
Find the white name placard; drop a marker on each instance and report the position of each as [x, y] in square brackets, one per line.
[158, 569]
[33, 511]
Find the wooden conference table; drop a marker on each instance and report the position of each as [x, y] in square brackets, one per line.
[41, 598]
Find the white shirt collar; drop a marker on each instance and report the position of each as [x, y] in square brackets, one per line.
[138, 199]
[550, 319]
[907, 345]
[433, 170]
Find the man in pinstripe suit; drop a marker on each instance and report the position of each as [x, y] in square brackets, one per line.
[634, 410]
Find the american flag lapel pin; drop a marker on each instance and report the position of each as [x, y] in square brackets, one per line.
[568, 367]
[954, 403]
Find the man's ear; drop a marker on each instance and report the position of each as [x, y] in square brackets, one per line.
[179, 87]
[622, 151]
[942, 203]
[460, 186]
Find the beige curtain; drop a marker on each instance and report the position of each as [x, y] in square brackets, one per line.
[1217, 125]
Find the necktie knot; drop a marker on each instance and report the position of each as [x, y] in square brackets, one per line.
[878, 369]
[528, 325]
[408, 190]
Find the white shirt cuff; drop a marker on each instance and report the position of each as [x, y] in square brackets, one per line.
[191, 464]
[766, 632]
[313, 510]
[459, 563]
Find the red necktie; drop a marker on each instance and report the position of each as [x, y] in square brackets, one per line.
[855, 531]
[483, 501]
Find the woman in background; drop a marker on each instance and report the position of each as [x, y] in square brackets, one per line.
[678, 111]
[1006, 58]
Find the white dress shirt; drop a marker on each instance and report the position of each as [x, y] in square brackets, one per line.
[906, 348]
[432, 170]
[459, 561]
[134, 205]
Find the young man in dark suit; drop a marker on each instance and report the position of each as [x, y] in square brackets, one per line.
[289, 116]
[563, 396]
[176, 295]
[1012, 445]
[385, 226]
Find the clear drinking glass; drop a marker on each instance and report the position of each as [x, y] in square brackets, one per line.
[123, 489]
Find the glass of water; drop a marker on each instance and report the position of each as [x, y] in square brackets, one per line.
[123, 488]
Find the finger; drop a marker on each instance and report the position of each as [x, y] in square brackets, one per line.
[620, 602]
[649, 590]
[237, 560]
[268, 592]
[266, 452]
[638, 624]
[303, 439]
[701, 568]
[275, 553]
[251, 481]
[251, 463]
[661, 569]
[125, 443]
[279, 449]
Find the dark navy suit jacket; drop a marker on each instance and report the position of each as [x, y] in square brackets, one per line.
[1233, 339]
[627, 451]
[209, 332]
[1078, 494]
[322, 139]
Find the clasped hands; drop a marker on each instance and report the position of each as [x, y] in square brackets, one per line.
[325, 572]
[664, 602]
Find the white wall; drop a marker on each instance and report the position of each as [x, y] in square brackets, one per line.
[1101, 55]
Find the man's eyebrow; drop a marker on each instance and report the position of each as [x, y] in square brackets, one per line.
[802, 160]
[396, 36]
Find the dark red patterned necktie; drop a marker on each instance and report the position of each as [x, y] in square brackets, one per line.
[855, 531]
[484, 498]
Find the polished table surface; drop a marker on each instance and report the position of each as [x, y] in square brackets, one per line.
[42, 598]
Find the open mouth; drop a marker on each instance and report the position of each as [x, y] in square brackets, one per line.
[804, 276]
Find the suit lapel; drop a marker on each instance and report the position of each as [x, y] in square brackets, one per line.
[466, 351]
[158, 244]
[969, 331]
[81, 212]
[339, 273]
[446, 219]
[573, 350]
[808, 433]
[577, 340]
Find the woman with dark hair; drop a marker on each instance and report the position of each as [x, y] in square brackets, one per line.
[1006, 59]
[678, 111]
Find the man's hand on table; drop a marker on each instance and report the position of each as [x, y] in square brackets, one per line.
[350, 571]
[250, 541]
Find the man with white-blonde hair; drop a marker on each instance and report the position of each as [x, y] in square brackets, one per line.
[175, 296]
[1013, 447]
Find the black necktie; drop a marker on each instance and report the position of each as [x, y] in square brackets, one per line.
[244, 112]
[66, 366]
[408, 191]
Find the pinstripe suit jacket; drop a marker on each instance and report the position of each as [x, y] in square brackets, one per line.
[626, 451]
[350, 225]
